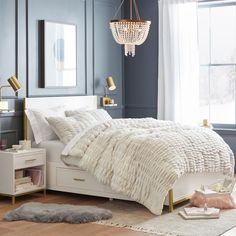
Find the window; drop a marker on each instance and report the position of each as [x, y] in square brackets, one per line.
[217, 47]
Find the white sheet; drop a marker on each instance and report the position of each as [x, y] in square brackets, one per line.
[53, 148]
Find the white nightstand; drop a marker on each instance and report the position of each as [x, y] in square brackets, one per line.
[27, 162]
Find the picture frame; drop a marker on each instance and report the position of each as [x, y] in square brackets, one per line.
[59, 54]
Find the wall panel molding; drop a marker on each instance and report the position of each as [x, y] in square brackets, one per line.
[20, 46]
[108, 57]
[70, 11]
[8, 44]
[140, 106]
[141, 71]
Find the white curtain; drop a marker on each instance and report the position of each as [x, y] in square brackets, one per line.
[178, 80]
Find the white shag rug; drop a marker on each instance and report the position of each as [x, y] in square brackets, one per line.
[134, 216]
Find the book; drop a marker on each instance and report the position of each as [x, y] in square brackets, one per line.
[199, 211]
[23, 180]
[197, 217]
[19, 174]
[24, 186]
[211, 193]
[221, 188]
[36, 175]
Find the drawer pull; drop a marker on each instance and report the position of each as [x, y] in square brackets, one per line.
[80, 180]
[30, 160]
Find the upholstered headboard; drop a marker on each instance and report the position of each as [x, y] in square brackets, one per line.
[70, 103]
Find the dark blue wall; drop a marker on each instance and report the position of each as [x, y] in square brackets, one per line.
[98, 55]
[141, 71]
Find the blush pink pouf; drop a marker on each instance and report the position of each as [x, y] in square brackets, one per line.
[220, 202]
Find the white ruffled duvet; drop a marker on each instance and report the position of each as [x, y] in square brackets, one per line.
[143, 158]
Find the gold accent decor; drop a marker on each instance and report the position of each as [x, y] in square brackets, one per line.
[110, 83]
[31, 160]
[14, 83]
[13, 197]
[78, 179]
[171, 200]
[25, 121]
[106, 101]
[130, 32]
[16, 86]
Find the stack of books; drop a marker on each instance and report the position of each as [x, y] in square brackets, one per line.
[212, 193]
[191, 213]
[36, 175]
[23, 183]
[29, 178]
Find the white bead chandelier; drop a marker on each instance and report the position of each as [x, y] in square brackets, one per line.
[128, 31]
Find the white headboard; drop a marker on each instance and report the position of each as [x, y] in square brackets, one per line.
[70, 103]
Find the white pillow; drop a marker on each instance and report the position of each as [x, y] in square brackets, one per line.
[85, 118]
[40, 127]
[67, 127]
[99, 114]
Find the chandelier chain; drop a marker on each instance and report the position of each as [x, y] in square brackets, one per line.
[118, 9]
[136, 10]
[131, 9]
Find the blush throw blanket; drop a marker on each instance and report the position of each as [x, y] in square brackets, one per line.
[143, 158]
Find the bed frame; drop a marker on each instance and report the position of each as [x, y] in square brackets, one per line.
[70, 179]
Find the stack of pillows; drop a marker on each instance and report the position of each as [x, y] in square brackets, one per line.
[57, 123]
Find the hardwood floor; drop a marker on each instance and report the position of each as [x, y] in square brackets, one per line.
[23, 228]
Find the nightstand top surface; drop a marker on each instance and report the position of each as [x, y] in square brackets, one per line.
[22, 152]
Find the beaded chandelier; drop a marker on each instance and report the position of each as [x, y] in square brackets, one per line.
[130, 32]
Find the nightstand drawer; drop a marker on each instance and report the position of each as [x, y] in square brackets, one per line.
[29, 161]
[73, 178]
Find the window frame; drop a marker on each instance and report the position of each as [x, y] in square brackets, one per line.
[211, 4]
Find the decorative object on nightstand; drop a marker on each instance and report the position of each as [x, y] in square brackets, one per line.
[110, 85]
[206, 124]
[25, 144]
[22, 172]
[3, 144]
[15, 85]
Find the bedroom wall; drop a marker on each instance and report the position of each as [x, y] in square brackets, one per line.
[98, 56]
[141, 72]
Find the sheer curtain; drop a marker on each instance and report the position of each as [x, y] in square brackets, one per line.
[178, 80]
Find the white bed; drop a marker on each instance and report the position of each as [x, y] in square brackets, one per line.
[54, 149]
[71, 179]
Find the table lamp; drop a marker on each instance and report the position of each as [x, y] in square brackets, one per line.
[15, 85]
[110, 85]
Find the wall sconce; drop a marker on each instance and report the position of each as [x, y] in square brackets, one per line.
[15, 85]
[110, 85]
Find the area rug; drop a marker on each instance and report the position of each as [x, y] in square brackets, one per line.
[51, 213]
[133, 216]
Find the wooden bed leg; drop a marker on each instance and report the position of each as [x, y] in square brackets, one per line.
[171, 200]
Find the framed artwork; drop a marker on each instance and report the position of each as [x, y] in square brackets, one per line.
[59, 55]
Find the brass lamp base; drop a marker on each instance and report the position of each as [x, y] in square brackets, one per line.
[106, 101]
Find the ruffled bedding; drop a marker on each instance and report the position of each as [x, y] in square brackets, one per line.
[143, 158]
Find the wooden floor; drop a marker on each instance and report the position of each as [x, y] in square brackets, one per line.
[23, 228]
